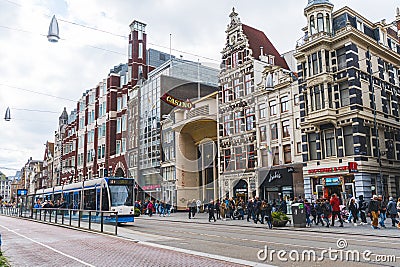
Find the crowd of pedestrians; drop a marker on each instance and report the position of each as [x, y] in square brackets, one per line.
[324, 211]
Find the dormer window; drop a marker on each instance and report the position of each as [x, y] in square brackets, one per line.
[312, 25]
[320, 22]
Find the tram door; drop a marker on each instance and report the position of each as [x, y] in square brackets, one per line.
[98, 194]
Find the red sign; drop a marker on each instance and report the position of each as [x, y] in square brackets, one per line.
[176, 102]
[151, 187]
[328, 170]
[353, 167]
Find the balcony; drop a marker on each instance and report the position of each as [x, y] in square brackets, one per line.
[322, 116]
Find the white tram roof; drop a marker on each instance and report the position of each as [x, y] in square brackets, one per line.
[93, 182]
[48, 191]
[72, 187]
[58, 189]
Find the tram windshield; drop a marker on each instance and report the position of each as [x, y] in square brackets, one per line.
[121, 195]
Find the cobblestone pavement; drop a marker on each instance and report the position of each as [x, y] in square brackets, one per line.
[349, 228]
[27, 243]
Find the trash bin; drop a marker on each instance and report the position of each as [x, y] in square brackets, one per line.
[299, 215]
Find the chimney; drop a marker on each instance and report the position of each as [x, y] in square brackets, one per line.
[261, 51]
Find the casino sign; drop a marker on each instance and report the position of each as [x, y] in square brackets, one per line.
[177, 102]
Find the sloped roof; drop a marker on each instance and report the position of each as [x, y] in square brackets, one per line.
[257, 39]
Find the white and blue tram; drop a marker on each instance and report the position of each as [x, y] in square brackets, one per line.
[103, 194]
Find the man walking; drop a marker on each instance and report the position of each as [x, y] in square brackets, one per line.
[392, 210]
[373, 210]
[250, 209]
[335, 203]
[382, 211]
[210, 208]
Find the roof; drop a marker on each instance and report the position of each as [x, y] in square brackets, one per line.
[257, 39]
[318, 2]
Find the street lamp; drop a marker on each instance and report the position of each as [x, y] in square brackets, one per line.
[7, 116]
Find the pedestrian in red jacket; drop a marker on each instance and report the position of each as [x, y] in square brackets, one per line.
[335, 203]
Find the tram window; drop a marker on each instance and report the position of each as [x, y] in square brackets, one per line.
[104, 199]
[121, 195]
[76, 204]
[89, 199]
[57, 197]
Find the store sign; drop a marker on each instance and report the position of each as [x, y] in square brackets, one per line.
[274, 176]
[329, 170]
[22, 192]
[176, 102]
[331, 181]
[241, 190]
[151, 187]
[353, 167]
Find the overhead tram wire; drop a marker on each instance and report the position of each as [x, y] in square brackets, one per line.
[36, 92]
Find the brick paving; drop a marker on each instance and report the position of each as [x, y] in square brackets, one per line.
[77, 248]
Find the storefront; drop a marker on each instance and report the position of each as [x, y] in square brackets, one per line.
[276, 183]
[240, 190]
[338, 180]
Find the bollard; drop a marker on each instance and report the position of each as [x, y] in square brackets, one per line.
[90, 219]
[116, 223]
[101, 223]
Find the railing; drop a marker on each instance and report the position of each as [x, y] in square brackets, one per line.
[93, 220]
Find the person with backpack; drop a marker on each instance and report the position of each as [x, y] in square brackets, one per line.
[362, 206]
[327, 211]
[382, 211]
[308, 212]
[392, 210]
[319, 212]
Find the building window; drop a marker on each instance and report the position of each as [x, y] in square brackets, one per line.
[238, 88]
[264, 157]
[239, 122]
[276, 156]
[263, 110]
[328, 24]
[272, 107]
[119, 120]
[296, 99]
[312, 25]
[227, 159]
[315, 63]
[250, 120]
[118, 147]
[251, 157]
[330, 146]
[344, 94]
[119, 103]
[124, 118]
[285, 129]
[285, 104]
[341, 58]
[348, 140]
[312, 146]
[263, 133]
[123, 145]
[140, 50]
[287, 154]
[298, 147]
[240, 158]
[227, 93]
[228, 124]
[248, 84]
[368, 142]
[297, 123]
[320, 22]
[274, 131]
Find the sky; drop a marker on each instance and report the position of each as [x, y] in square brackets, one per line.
[38, 78]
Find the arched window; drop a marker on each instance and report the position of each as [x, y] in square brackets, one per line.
[320, 22]
[328, 24]
[312, 25]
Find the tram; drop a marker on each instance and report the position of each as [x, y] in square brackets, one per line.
[102, 194]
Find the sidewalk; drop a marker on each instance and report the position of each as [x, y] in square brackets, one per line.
[349, 228]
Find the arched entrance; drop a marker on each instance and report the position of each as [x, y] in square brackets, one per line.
[240, 190]
[120, 173]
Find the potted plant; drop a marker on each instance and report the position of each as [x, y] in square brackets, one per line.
[279, 219]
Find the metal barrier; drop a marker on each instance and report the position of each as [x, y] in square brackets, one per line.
[93, 220]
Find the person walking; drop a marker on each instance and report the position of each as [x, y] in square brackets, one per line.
[249, 209]
[308, 212]
[283, 206]
[222, 210]
[211, 208]
[373, 210]
[353, 208]
[318, 210]
[257, 209]
[362, 206]
[335, 203]
[327, 211]
[217, 209]
[392, 210]
[189, 208]
[268, 215]
[150, 207]
[398, 207]
[382, 211]
[194, 207]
